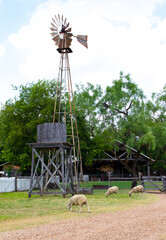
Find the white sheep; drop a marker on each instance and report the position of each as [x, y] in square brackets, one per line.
[78, 200]
[112, 190]
[137, 189]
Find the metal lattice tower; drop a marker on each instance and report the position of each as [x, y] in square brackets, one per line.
[62, 36]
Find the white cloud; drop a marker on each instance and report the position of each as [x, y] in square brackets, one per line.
[121, 36]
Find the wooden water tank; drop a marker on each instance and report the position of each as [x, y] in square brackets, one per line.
[51, 133]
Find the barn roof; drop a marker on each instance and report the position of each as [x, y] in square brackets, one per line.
[122, 153]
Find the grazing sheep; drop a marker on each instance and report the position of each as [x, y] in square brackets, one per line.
[78, 200]
[137, 189]
[112, 190]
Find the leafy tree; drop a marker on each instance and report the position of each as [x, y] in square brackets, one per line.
[19, 119]
[158, 112]
[88, 100]
[127, 118]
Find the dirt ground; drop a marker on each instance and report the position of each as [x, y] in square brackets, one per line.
[138, 223]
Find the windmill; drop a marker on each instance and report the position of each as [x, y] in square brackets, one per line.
[62, 36]
[57, 151]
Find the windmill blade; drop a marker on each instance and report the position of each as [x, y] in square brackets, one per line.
[65, 22]
[58, 42]
[59, 18]
[56, 19]
[54, 22]
[53, 34]
[68, 30]
[68, 41]
[67, 44]
[52, 29]
[67, 26]
[62, 19]
[68, 38]
[56, 38]
[54, 26]
[83, 40]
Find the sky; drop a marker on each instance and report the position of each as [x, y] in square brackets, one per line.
[123, 35]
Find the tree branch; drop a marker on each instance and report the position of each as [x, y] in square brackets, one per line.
[120, 111]
[129, 106]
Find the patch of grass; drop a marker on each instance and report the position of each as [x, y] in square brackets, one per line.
[17, 211]
[119, 184]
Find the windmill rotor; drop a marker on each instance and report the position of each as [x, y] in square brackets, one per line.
[61, 33]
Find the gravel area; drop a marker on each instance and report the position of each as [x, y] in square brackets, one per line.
[138, 223]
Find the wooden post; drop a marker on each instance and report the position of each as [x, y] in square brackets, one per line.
[15, 181]
[31, 180]
[71, 172]
[42, 168]
[140, 178]
[109, 179]
[47, 174]
[62, 165]
[63, 175]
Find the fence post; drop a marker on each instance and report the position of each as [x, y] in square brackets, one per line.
[164, 184]
[140, 178]
[109, 179]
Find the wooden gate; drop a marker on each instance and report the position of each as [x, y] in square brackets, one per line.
[154, 183]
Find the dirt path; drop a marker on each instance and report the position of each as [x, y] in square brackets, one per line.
[139, 223]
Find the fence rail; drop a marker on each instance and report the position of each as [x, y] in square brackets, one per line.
[22, 183]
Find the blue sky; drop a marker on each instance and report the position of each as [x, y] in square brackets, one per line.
[123, 35]
[14, 13]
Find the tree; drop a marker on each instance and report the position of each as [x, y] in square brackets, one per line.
[127, 118]
[158, 112]
[19, 119]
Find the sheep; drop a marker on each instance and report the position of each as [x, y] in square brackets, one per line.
[78, 200]
[137, 189]
[112, 190]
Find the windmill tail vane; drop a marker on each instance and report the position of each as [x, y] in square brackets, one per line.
[82, 39]
[61, 33]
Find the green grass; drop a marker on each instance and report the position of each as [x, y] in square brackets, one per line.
[119, 184]
[17, 211]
